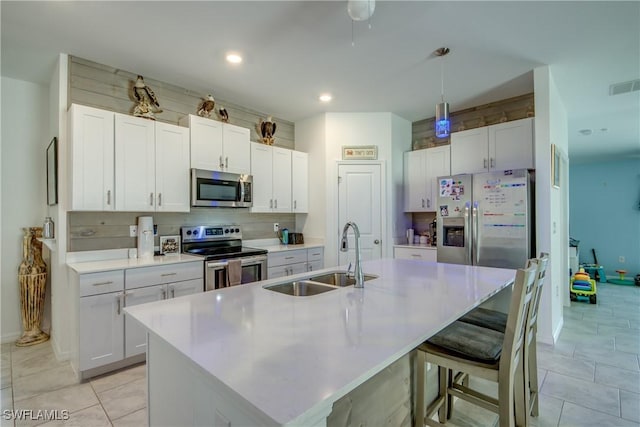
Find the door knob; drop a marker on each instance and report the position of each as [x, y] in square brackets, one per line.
[377, 242]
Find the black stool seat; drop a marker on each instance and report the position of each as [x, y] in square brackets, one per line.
[470, 342]
[494, 320]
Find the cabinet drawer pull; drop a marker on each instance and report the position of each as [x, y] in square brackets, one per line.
[103, 283]
[168, 274]
[416, 256]
[289, 257]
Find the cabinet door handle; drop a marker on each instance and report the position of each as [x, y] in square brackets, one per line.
[119, 301]
[159, 199]
[493, 162]
[484, 162]
[428, 203]
[221, 164]
[295, 204]
[275, 204]
[108, 197]
[168, 274]
[310, 267]
[173, 293]
[226, 162]
[103, 283]
[164, 294]
[270, 203]
[423, 203]
[151, 199]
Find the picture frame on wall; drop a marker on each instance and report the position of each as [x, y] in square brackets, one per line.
[556, 166]
[170, 245]
[52, 172]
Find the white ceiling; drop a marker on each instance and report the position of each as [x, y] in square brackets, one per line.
[295, 50]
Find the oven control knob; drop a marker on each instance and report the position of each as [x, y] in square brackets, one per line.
[226, 231]
[195, 232]
[188, 232]
[237, 230]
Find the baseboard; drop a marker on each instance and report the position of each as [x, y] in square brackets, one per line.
[57, 351]
[10, 337]
[556, 333]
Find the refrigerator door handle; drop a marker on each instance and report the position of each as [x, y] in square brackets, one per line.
[467, 231]
[474, 215]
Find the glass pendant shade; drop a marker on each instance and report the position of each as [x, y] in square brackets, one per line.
[442, 123]
[361, 10]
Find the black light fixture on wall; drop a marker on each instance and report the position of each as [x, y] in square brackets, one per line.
[442, 122]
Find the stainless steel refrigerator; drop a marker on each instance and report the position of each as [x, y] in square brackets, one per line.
[486, 219]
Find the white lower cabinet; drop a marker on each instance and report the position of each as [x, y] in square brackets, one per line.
[105, 334]
[296, 261]
[101, 327]
[417, 252]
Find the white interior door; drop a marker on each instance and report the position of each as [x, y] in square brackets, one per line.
[359, 201]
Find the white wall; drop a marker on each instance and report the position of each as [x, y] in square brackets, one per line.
[25, 136]
[323, 137]
[551, 203]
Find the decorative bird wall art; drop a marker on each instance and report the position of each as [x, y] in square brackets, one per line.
[207, 106]
[223, 115]
[267, 129]
[148, 104]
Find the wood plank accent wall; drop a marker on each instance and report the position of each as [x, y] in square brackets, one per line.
[101, 86]
[519, 107]
[110, 230]
[108, 88]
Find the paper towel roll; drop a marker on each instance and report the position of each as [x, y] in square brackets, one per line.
[145, 237]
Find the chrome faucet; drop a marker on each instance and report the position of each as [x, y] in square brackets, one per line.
[344, 247]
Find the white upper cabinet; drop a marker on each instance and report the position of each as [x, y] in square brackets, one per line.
[422, 168]
[300, 181]
[280, 179]
[218, 146]
[511, 145]
[497, 147]
[135, 164]
[262, 171]
[152, 166]
[172, 168]
[91, 152]
[237, 157]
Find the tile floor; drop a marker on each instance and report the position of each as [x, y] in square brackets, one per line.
[591, 377]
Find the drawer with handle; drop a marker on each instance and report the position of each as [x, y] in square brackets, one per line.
[287, 257]
[145, 276]
[101, 283]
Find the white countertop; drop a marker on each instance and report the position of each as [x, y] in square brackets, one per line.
[273, 245]
[124, 263]
[289, 355]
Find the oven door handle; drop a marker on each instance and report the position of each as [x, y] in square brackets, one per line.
[254, 260]
[217, 265]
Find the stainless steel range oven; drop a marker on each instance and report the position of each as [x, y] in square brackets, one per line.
[219, 244]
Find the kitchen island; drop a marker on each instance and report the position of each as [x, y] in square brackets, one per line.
[245, 355]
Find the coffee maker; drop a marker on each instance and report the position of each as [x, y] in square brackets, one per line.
[434, 237]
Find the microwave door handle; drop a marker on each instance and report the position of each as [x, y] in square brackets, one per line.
[241, 191]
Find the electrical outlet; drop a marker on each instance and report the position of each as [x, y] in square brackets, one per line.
[620, 259]
[276, 227]
[133, 231]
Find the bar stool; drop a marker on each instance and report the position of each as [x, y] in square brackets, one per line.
[497, 321]
[473, 350]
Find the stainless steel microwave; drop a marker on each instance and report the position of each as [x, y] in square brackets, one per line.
[221, 189]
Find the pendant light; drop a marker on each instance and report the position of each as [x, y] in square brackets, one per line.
[360, 10]
[442, 122]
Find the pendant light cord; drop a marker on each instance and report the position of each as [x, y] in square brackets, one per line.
[442, 79]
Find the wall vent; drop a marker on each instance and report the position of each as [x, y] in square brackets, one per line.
[624, 87]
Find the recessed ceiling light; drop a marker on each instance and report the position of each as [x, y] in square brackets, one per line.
[585, 131]
[234, 58]
[325, 97]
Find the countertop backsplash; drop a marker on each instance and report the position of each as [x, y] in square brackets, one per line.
[90, 231]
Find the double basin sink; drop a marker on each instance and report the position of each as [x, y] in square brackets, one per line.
[317, 284]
